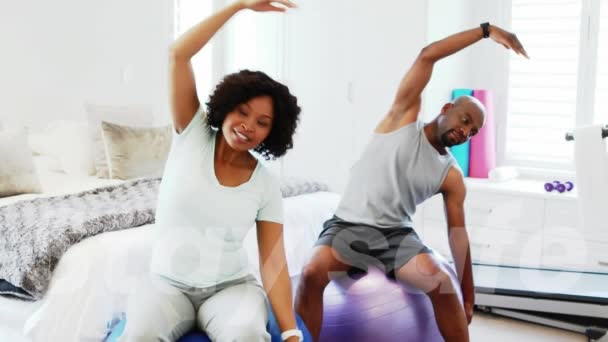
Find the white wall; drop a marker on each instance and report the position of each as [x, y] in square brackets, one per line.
[57, 55]
[483, 65]
[489, 63]
[446, 18]
[344, 60]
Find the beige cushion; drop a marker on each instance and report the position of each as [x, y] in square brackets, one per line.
[131, 115]
[134, 152]
[17, 171]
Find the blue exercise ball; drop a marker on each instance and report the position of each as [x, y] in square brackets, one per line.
[275, 331]
[195, 336]
[272, 327]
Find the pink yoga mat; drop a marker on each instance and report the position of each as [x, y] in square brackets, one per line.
[483, 145]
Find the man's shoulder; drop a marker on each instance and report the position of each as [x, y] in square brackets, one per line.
[453, 182]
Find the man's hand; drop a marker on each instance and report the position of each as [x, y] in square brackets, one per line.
[266, 5]
[508, 40]
[469, 302]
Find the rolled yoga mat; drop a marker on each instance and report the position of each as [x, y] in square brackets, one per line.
[462, 152]
[483, 145]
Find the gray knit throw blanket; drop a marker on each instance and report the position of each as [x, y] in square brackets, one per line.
[34, 234]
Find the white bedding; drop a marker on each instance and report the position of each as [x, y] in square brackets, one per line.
[59, 183]
[13, 312]
[93, 279]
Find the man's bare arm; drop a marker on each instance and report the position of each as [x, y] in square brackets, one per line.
[454, 193]
[407, 102]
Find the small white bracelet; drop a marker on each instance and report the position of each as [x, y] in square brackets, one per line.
[290, 333]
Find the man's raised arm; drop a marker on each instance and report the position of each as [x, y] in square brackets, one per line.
[407, 102]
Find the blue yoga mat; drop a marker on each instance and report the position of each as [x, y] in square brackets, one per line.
[462, 152]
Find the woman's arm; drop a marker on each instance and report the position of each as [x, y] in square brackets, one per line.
[182, 88]
[275, 275]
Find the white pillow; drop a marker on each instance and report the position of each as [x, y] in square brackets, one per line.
[46, 164]
[132, 115]
[69, 142]
[134, 152]
[17, 172]
[42, 142]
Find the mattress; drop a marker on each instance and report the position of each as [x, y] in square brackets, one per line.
[13, 315]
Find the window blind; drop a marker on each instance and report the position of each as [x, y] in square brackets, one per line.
[601, 90]
[542, 90]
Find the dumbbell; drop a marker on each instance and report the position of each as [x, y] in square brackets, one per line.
[560, 187]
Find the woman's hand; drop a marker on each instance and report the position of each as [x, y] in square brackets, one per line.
[508, 40]
[267, 5]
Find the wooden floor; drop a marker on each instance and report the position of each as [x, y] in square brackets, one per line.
[488, 327]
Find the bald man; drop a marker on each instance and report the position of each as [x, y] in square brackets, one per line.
[405, 163]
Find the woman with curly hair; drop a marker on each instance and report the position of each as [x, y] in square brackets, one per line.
[212, 192]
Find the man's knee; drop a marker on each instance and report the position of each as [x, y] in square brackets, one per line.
[441, 284]
[426, 275]
[314, 276]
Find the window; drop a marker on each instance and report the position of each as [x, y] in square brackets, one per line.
[248, 41]
[187, 14]
[255, 42]
[549, 94]
[601, 90]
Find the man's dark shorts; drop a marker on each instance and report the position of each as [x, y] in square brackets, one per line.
[360, 246]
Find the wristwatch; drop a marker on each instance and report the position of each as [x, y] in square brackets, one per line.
[486, 29]
[291, 333]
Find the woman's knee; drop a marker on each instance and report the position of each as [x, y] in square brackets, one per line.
[158, 315]
[235, 312]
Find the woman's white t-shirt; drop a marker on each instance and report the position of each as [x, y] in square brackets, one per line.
[201, 224]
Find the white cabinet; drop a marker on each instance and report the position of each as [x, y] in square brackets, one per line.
[564, 253]
[504, 247]
[567, 245]
[519, 226]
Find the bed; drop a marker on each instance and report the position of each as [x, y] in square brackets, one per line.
[94, 277]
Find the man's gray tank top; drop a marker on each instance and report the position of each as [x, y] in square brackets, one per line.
[396, 172]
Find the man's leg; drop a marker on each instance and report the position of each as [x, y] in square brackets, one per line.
[315, 277]
[425, 273]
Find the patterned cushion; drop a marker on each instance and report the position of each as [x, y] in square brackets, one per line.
[134, 152]
[132, 115]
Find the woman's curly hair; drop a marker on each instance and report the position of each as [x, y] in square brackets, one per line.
[240, 87]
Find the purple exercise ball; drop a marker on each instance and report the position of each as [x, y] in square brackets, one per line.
[376, 308]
